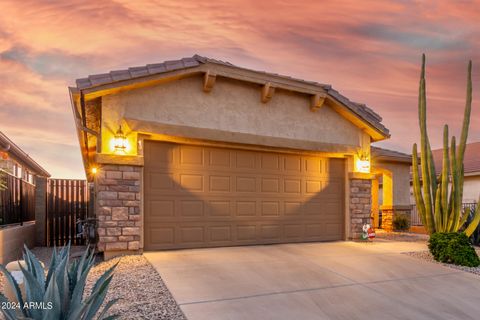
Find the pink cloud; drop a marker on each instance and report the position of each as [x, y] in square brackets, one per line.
[368, 50]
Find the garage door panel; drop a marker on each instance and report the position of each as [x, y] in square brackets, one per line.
[245, 160]
[271, 232]
[160, 209]
[193, 235]
[246, 208]
[191, 156]
[219, 158]
[246, 184]
[198, 196]
[246, 232]
[191, 208]
[292, 164]
[292, 186]
[221, 234]
[219, 183]
[270, 208]
[192, 182]
[160, 236]
[219, 209]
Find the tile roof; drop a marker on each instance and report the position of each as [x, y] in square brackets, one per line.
[381, 153]
[152, 69]
[471, 162]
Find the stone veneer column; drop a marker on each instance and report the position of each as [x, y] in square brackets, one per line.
[118, 209]
[388, 213]
[360, 203]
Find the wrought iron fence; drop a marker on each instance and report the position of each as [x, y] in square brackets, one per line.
[17, 201]
[416, 221]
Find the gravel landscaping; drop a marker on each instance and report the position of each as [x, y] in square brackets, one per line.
[427, 256]
[141, 289]
[401, 236]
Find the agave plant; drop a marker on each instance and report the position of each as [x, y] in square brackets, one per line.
[60, 291]
[439, 201]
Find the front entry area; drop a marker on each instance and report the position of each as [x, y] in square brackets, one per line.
[200, 196]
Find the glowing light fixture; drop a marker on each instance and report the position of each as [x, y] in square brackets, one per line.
[120, 141]
[94, 170]
[362, 165]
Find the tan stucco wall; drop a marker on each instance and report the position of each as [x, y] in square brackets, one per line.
[232, 106]
[401, 182]
[471, 189]
[12, 240]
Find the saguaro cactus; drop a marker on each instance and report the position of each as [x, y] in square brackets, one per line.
[439, 200]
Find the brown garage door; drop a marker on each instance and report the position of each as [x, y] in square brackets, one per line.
[198, 196]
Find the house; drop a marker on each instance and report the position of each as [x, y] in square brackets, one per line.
[471, 163]
[198, 153]
[21, 202]
[391, 186]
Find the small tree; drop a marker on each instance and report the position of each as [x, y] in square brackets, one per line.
[440, 206]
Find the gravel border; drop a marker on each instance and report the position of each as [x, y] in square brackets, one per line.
[401, 236]
[427, 256]
[141, 290]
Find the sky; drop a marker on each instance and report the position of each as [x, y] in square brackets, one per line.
[370, 51]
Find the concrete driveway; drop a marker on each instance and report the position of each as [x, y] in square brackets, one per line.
[339, 280]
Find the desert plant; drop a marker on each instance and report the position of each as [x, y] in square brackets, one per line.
[401, 222]
[453, 247]
[60, 290]
[475, 237]
[440, 207]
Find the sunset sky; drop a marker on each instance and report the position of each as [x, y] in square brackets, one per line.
[368, 50]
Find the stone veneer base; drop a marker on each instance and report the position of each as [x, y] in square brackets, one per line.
[118, 196]
[360, 205]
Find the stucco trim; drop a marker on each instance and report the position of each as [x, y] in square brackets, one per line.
[147, 127]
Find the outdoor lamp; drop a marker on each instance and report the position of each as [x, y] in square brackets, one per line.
[120, 140]
[363, 165]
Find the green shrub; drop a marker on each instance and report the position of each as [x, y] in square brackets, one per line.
[453, 247]
[62, 286]
[401, 222]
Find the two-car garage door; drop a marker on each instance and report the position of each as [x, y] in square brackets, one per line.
[198, 196]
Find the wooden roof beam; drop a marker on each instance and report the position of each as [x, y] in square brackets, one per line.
[209, 81]
[267, 92]
[317, 102]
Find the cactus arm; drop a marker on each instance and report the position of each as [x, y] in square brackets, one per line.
[445, 176]
[431, 170]
[426, 183]
[438, 210]
[466, 117]
[416, 186]
[455, 205]
[465, 127]
[476, 220]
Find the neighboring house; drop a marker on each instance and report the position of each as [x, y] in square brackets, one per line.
[201, 153]
[471, 183]
[26, 180]
[391, 188]
[17, 162]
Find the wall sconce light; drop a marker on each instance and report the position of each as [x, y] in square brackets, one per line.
[362, 161]
[362, 165]
[94, 170]
[120, 141]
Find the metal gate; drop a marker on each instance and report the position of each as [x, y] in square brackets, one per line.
[67, 203]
